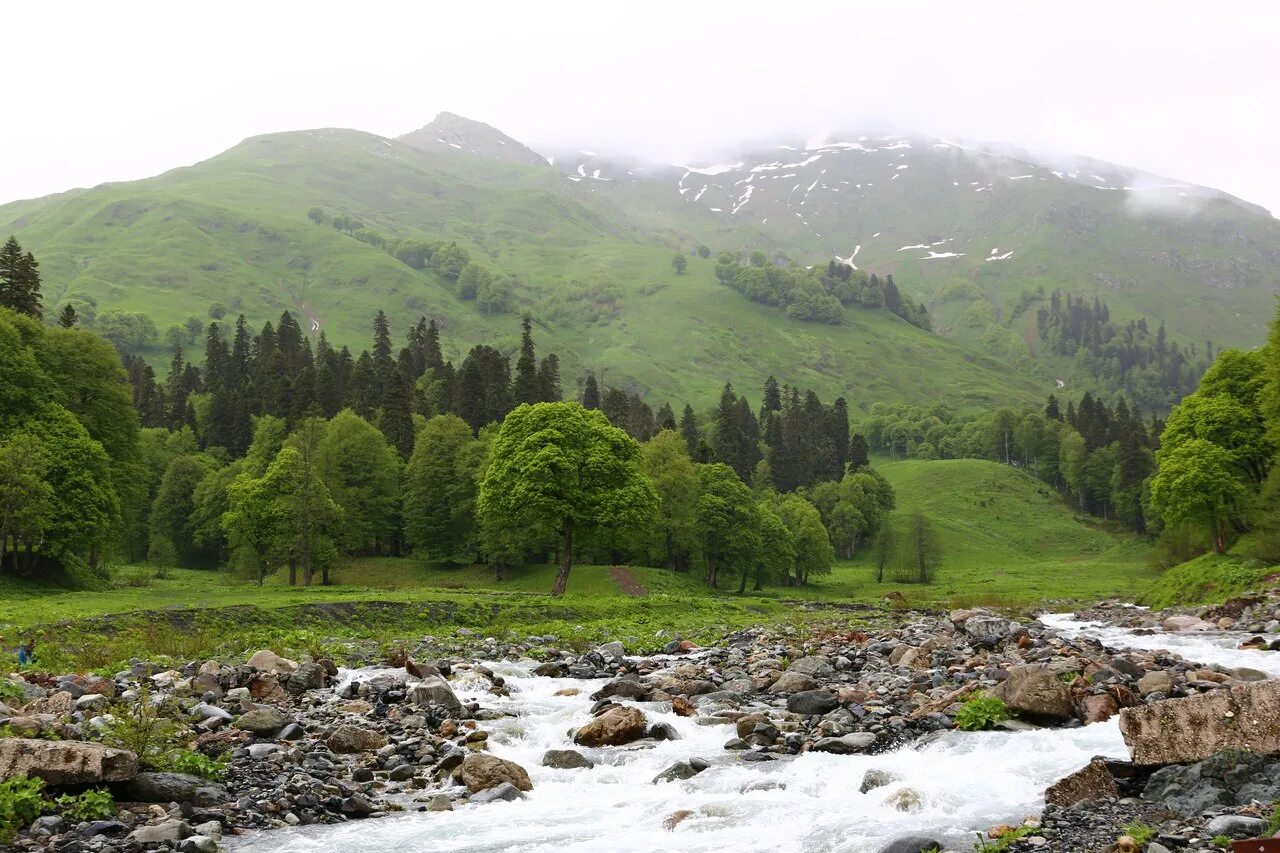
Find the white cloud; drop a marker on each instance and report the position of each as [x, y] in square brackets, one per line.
[119, 91]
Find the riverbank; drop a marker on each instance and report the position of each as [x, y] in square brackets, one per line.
[832, 735]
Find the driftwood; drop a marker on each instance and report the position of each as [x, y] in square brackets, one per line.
[938, 704]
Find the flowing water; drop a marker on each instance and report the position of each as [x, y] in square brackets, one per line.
[965, 782]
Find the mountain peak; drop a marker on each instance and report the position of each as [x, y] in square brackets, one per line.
[451, 132]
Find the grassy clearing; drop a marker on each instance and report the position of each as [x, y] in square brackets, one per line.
[1210, 579]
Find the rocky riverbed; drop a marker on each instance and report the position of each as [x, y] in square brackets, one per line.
[838, 740]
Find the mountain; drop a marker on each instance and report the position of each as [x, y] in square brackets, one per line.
[449, 131]
[585, 242]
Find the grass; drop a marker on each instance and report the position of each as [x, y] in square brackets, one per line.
[1210, 579]
[1007, 540]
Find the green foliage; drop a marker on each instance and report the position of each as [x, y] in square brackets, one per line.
[189, 761]
[91, 804]
[557, 468]
[1140, 831]
[1003, 843]
[147, 728]
[21, 801]
[981, 713]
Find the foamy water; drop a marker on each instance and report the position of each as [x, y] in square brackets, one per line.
[965, 782]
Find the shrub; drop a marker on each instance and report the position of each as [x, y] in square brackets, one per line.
[1003, 843]
[1273, 825]
[93, 804]
[136, 578]
[21, 801]
[980, 713]
[195, 764]
[1139, 831]
[145, 729]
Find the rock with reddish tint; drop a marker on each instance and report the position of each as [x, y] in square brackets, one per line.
[1091, 782]
[616, 725]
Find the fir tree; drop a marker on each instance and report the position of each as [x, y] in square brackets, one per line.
[67, 318]
[549, 379]
[19, 280]
[591, 393]
[526, 388]
[397, 420]
[689, 431]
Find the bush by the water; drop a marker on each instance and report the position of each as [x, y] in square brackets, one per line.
[981, 713]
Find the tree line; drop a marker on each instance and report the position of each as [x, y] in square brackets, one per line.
[1152, 371]
[817, 294]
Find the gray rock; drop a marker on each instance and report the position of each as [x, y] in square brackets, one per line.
[1179, 731]
[506, 792]
[149, 787]
[989, 630]
[169, 830]
[812, 665]
[873, 779]
[403, 773]
[269, 661]
[810, 702]
[308, 676]
[1156, 681]
[913, 843]
[1236, 826]
[1035, 692]
[793, 681]
[846, 744]
[663, 731]
[65, 762]
[197, 844]
[681, 770]
[566, 759]
[440, 803]
[205, 711]
[434, 690]
[263, 722]
[612, 649]
[347, 740]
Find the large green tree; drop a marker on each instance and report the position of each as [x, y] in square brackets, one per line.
[440, 492]
[1197, 482]
[557, 467]
[665, 462]
[362, 473]
[728, 522]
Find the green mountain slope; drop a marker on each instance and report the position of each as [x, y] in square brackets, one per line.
[1003, 530]
[234, 229]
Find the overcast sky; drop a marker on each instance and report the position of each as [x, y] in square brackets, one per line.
[113, 91]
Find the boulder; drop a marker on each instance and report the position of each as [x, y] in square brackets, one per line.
[1236, 826]
[549, 669]
[268, 661]
[174, 788]
[615, 726]
[506, 792]
[612, 649]
[846, 744]
[911, 844]
[308, 676]
[793, 681]
[59, 704]
[1098, 708]
[65, 762]
[627, 688]
[347, 740]
[988, 630]
[1156, 681]
[480, 772]
[681, 770]
[1181, 731]
[169, 830]
[434, 690]
[1187, 623]
[566, 759]
[263, 722]
[873, 779]
[812, 665]
[1035, 692]
[812, 702]
[1091, 782]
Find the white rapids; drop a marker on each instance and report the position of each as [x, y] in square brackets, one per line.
[965, 783]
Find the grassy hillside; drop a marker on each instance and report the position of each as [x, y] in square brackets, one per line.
[1006, 539]
[234, 229]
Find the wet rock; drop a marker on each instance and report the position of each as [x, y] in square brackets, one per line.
[357, 805]
[505, 792]
[1192, 729]
[1092, 782]
[905, 800]
[1098, 708]
[615, 726]
[681, 770]
[351, 739]
[434, 690]
[873, 779]
[566, 759]
[627, 687]
[197, 844]
[1035, 692]
[1226, 779]
[849, 744]
[1186, 623]
[480, 772]
[911, 844]
[549, 669]
[682, 707]
[663, 731]
[612, 649]
[675, 819]
[440, 803]
[308, 676]
[810, 702]
[65, 762]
